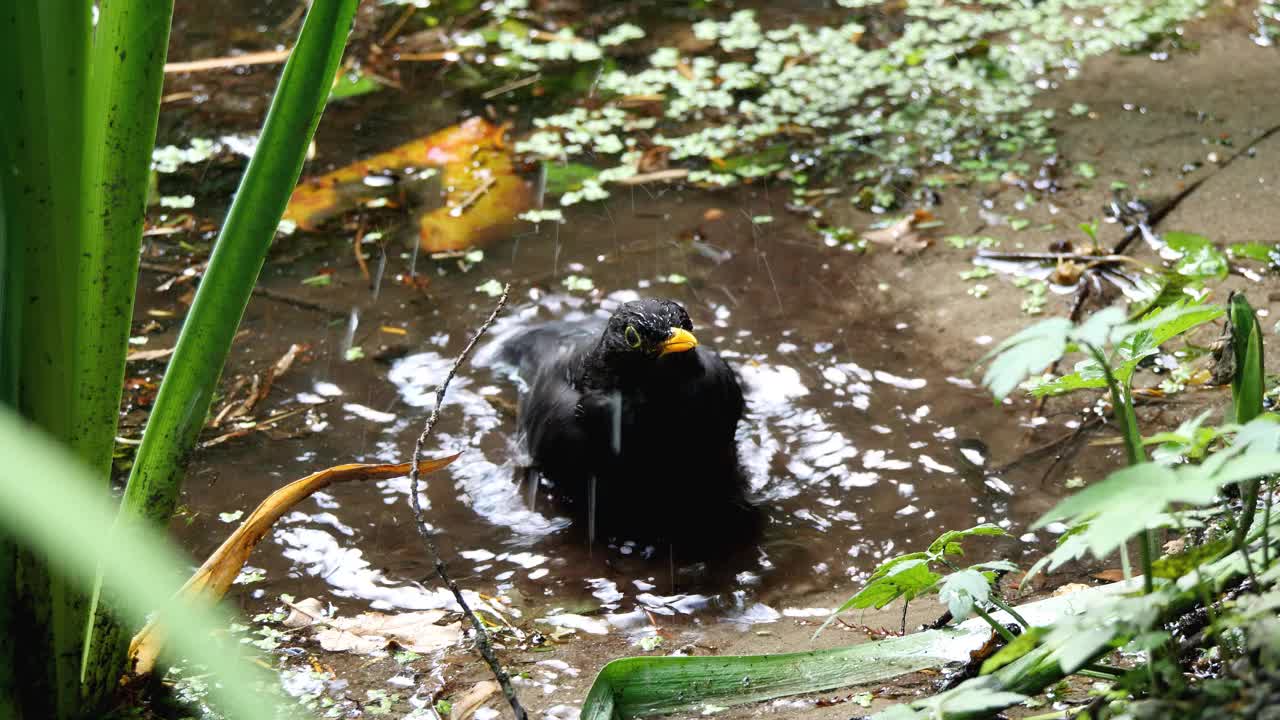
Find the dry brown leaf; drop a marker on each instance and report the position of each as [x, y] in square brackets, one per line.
[217, 573]
[654, 159]
[374, 631]
[1069, 588]
[305, 612]
[1112, 576]
[466, 704]
[902, 236]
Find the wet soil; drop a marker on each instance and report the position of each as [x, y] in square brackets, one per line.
[865, 435]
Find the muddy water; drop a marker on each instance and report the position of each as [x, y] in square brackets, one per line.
[861, 440]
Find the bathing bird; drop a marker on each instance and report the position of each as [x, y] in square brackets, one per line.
[631, 427]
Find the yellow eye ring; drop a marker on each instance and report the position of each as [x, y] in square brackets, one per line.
[632, 336]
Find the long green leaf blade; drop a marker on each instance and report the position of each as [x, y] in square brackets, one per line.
[1247, 389]
[187, 390]
[202, 348]
[43, 48]
[635, 687]
[126, 79]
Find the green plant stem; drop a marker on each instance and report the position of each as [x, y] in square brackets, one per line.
[1009, 609]
[1122, 402]
[1001, 630]
[1266, 523]
[185, 395]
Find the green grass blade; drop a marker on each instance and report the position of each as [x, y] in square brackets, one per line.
[187, 390]
[185, 395]
[126, 80]
[66, 518]
[10, 352]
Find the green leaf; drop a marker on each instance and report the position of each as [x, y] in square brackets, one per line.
[1029, 351]
[960, 591]
[643, 686]
[1021, 645]
[1248, 386]
[561, 178]
[770, 158]
[1254, 251]
[1172, 567]
[354, 84]
[905, 575]
[907, 579]
[640, 686]
[1137, 341]
[1200, 259]
[1189, 441]
[1135, 498]
[996, 565]
[948, 539]
[186, 392]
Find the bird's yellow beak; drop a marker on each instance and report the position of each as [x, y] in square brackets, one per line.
[680, 340]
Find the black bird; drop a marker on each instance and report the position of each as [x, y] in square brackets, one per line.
[633, 427]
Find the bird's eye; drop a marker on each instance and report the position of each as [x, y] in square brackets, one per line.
[632, 336]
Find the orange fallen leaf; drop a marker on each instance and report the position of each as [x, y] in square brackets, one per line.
[211, 581]
[482, 192]
[483, 196]
[1113, 575]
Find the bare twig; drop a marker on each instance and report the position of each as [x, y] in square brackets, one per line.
[656, 176]
[1052, 256]
[482, 635]
[269, 57]
[471, 199]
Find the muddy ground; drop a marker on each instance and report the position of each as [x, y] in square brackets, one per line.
[1197, 129]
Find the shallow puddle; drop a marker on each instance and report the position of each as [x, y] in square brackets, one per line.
[860, 440]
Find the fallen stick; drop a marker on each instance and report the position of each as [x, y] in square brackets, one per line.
[482, 635]
[657, 176]
[266, 57]
[215, 576]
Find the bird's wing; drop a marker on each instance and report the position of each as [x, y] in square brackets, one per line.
[533, 351]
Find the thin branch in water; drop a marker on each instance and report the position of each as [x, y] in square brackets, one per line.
[482, 635]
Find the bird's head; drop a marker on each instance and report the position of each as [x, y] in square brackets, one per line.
[648, 329]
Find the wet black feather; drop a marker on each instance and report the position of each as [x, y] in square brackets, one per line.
[656, 432]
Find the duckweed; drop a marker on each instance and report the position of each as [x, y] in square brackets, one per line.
[896, 89]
